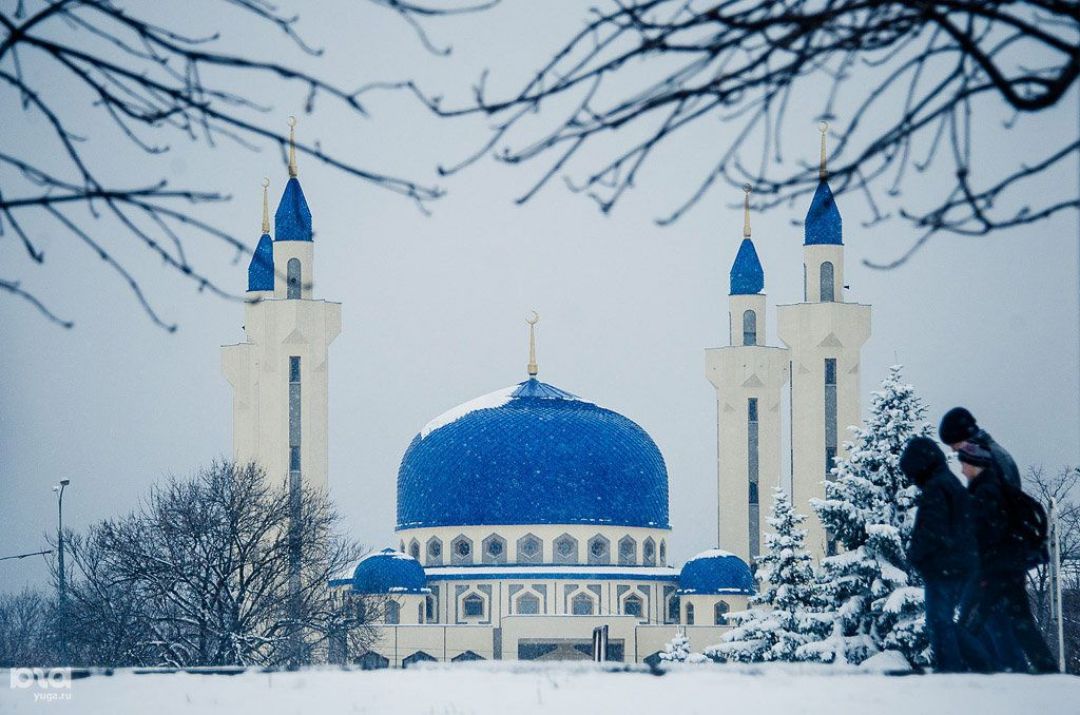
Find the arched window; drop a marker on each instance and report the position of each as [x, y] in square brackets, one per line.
[420, 613]
[528, 605]
[530, 550]
[494, 550]
[434, 551]
[648, 552]
[720, 611]
[673, 610]
[633, 606]
[627, 551]
[566, 550]
[393, 612]
[414, 549]
[599, 550]
[472, 606]
[292, 278]
[581, 605]
[689, 614]
[461, 550]
[431, 610]
[749, 328]
[828, 288]
[663, 553]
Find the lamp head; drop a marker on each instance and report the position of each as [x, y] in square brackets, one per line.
[65, 482]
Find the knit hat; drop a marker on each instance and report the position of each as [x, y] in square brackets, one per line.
[975, 455]
[958, 425]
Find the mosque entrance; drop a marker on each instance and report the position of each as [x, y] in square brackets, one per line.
[566, 649]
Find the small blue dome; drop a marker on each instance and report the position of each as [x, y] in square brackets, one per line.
[716, 572]
[261, 268]
[532, 454]
[747, 276]
[389, 571]
[823, 223]
[292, 220]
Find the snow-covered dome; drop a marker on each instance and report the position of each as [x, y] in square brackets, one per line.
[389, 571]
[715, 572]
[532, 454]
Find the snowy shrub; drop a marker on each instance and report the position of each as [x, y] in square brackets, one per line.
[678, 651]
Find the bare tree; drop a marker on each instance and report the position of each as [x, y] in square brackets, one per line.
[153, 82]
[1060, 486]
[199, 575]
[905, 78]
[25, 624]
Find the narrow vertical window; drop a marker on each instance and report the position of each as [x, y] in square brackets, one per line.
[828, 285]
[689, 614]
[292, 278]
[749, 328]
[752, 473]
[294, 414]
[830, 433]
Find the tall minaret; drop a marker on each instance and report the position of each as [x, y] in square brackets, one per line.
[825, 335]
[749, 377]
[279, 374]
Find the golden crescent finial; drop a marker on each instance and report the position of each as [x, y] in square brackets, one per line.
[292, 146]
[266, 206]
[746, 210]
[823, 171]
[533, 367]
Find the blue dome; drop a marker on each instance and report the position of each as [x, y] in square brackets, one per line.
[261, 268]
[747, 276]
[532, 454]
[389, 571]
[716, 572]
[292, 220]
[823, 223]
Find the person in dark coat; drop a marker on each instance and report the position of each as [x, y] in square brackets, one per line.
[958, 427]
[943, 550]
[997, 599]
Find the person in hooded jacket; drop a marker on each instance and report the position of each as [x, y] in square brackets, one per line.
[997, 599]
[944, 551]
[959, 428]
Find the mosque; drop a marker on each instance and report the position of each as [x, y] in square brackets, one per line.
[529, 516]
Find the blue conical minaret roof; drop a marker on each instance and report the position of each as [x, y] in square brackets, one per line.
[261, 268]
[747, 275]
[292, 220]
[823, 223]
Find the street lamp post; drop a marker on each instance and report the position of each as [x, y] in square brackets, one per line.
[62, 582]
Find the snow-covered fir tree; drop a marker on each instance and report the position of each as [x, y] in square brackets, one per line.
[678, 650]
[782, 613]
[869, 590]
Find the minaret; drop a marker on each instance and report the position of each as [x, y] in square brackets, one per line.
[279, 374]
[825, 335]
[749, 377]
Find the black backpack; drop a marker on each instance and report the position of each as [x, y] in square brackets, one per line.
[1028, 525]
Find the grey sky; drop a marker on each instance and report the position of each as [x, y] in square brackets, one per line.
[434, 307]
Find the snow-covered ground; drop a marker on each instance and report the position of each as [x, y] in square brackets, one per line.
[558, 688]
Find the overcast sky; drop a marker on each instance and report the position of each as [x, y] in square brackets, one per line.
[434, 306]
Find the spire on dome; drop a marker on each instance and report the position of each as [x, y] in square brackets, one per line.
[533, 368]
[746, 211]
[266, 206]
[823, 223]
[292, 146]
[261, 268]
[292, 220]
